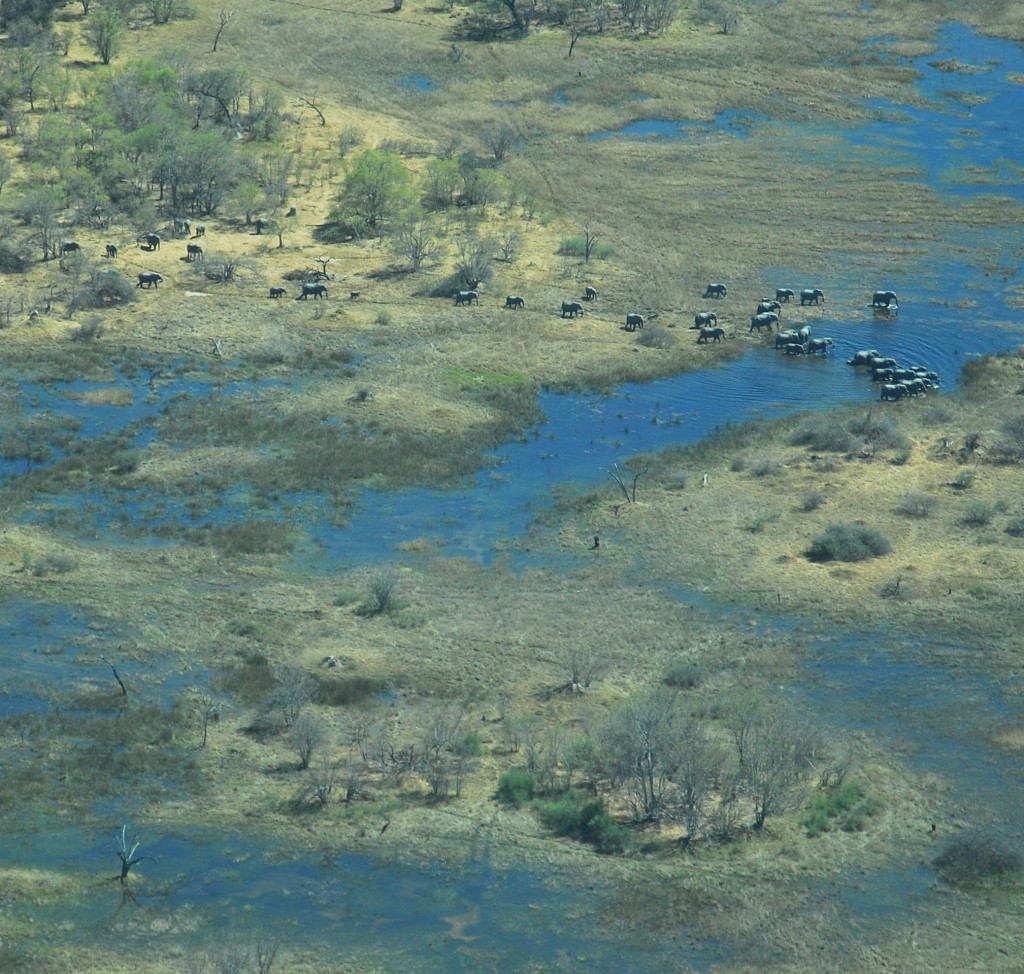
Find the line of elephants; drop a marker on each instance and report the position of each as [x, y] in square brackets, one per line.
[896, 382]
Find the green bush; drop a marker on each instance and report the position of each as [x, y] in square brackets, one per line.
[586, 821]
[683, 674]
[848, 542]
[577, 247]
[847, 808]
[517, 786]
[917, 504]
[811, 500]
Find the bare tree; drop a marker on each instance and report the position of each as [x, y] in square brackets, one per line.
[697, 775]
[638, 749]
[499, 139]
[127, 851]
[583, 665]
[223, 19]
[776, 748]
[207, 708]
[417, 243]
[294, 690]
[307, 735]
[510, 240]
[628, 490]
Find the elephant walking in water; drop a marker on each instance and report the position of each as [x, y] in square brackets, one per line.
[884, 299]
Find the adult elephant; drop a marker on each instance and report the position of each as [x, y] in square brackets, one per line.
[883, 375]
[277, 292]
[514, 301]
[634, 321]
[715, 291]
[193, 252]
[892, 391]
[466, 297]
[795, 348]
[812, 295]
[766, 305]
[111, 250]
[916, 387]
[148, 279]
[312, 289]
[821, 345]
[787, 337]
[571, 308]
[705, 319]
[715, 334]
[767, 319]
[784, 293]
[883, 299]
[69, 247]
[863, 357]
[590, 293]
[804, 334]
[152, 241]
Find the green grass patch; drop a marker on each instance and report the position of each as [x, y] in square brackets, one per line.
[848, 542]
[848, 808]
[586, 820]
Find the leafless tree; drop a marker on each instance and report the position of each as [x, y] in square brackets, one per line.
[223, 19]
[697, 775]
[775, 747]
[628, 490]
[638, 749]
[510, 241]
[583, 665]
[417, 242]
[293, 691]
[307, 735]
[127, 848]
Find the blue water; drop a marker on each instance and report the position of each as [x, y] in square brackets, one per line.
[416, 82]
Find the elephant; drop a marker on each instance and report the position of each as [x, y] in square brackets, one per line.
[766, 305]
[111, 250]
[69, 247]
[767, 319]
[715, 334]
[704, 318]
[571, 308]
[863, 357]
[795, 348]
[715, 291]
[883, 375]
[882, 363]
[788, 337]
[812, 295]
[193, 252]
[200, 230]
[819, 345]
[784, 293]
[182, 226]
[883, 299]
[916, 387]
[804, 334]
[514, 301]
[148, 279]
[590, 294]
[924, 373]
[634, 321]
[152, 241]
[891, 392]
[466, 297]
[313, 288]
[277, 292]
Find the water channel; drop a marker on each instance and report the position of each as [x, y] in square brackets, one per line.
[478, 918]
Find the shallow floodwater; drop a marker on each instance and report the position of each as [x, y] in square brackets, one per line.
[478, 918]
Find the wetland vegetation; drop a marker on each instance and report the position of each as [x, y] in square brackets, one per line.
[375, 633]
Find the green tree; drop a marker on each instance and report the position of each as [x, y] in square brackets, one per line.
[377, 187]
[105, 30]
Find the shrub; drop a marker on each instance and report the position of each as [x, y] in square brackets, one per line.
[882, 434]
[251, 680]
[347, 690]
[977, 859]
[822, 432]
[683, 674]
[517, 786]
[811, 500]
[585, 821]
[577, 247]
[92, 327]
[977, 514]
[963, 480]
[53, 565]
[1016, 527]
[656, 337]
[917, 504]
[765, 467]
[380, 596]
[848, 542]
[847, 807]
[253, 537]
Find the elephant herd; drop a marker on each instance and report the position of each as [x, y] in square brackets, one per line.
[896, 382]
